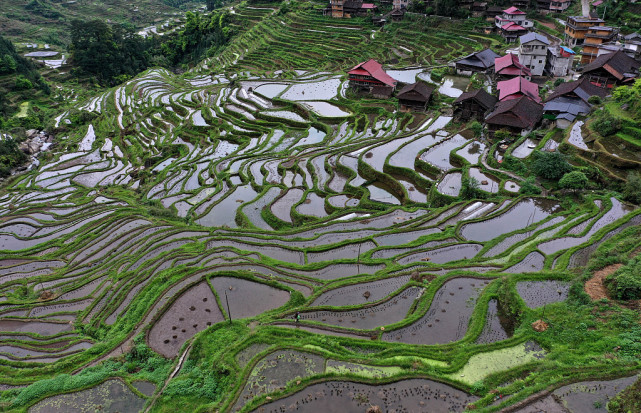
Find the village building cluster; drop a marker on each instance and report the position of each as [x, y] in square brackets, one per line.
[511, 100]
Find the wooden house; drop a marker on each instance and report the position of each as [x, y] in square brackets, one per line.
[595, 38]
[509, 66]
[474, 105]
[569, 100]
[415, 97]
[517, 87]
[610, 70]
[518, 116]
[482, 62]
[366, 75]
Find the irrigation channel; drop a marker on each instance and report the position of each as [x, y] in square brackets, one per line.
[258, 201]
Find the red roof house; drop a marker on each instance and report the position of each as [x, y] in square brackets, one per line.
[517, 87]
[509, 66]
[513, 10]
[368, 74]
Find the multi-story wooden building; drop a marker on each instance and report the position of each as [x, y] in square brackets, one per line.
[349, 8]
[595, 37]
[369, 74]
[577, 26]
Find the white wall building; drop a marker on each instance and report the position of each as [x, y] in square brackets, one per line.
[533, 52]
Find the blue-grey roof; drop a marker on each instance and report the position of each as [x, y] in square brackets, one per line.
[534, 36]
[566, 105]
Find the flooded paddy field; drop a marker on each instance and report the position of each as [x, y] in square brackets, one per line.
[167, 249]
[406, 395]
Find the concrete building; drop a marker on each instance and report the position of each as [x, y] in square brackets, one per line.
[632, 46]
[512, 23]
[559, 61]
[533, 52]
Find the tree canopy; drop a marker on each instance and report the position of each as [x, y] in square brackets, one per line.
[110, 53]
[575, 180]
[550, 165]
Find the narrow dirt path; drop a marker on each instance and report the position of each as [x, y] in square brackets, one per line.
[595, 287]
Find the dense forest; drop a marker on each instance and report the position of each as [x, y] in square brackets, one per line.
[113, 53]
[18, 76]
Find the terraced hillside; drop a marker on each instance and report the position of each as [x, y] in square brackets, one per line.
[250, 236]
[47, 21]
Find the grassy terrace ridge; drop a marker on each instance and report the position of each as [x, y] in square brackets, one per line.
[159, 255]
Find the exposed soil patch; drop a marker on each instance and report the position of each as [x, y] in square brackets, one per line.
[595, 287]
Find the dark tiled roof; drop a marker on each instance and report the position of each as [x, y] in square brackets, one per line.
[617, 64]
[521, 113]
[352, 4]
[581, 88]
[488, 101]
[416, 91]
[484, 58]
[534, 36]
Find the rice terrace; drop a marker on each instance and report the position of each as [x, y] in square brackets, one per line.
[303, 206]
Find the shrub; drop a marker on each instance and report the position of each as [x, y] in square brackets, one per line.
[594, 100]
[625, 283]
[22, 83]
[558, 81]
[575, 180]
[529, 187]
[606, 125]
[503, 135]
[476, 128]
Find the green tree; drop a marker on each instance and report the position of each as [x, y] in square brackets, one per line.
[550, 165]
[10, 156]
[109, 53]
[22, 83]
[8, 64]
[575, 180]
[445, 7]
[632, 189]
